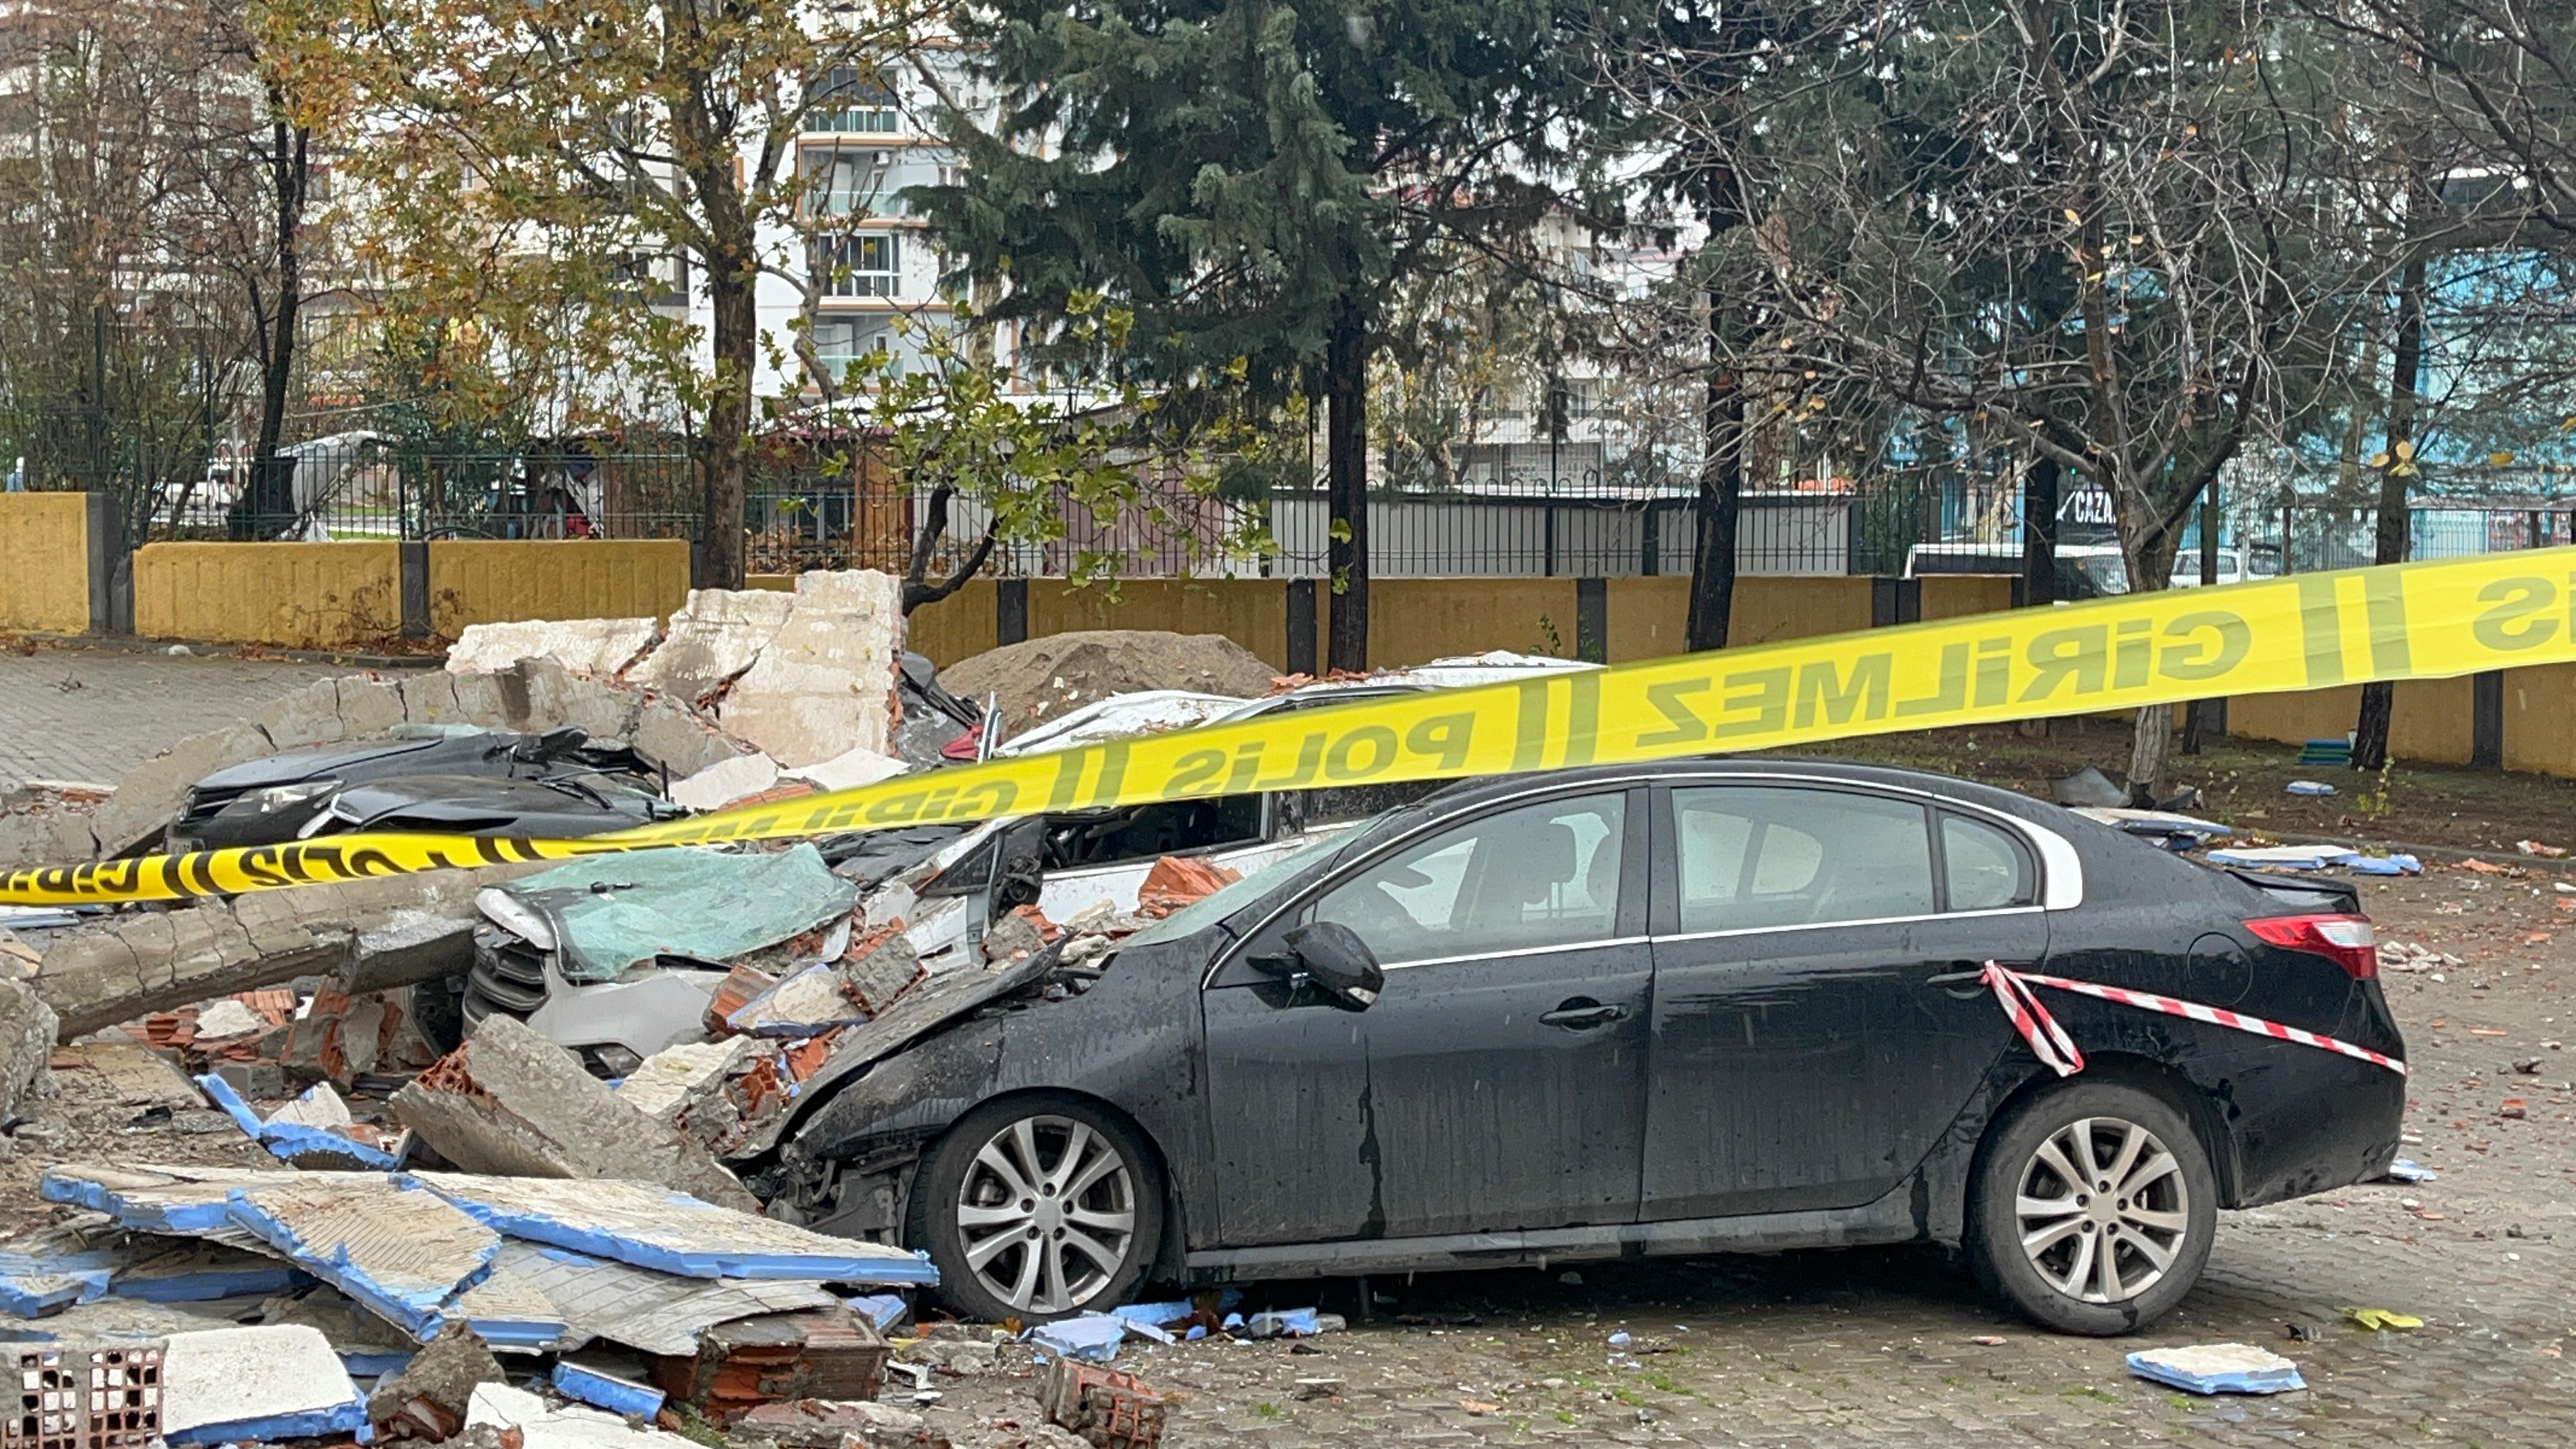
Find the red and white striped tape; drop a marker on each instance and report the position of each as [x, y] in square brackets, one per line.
[2050, 1043]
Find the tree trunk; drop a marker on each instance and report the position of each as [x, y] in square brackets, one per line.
[1721, 495]
[271, 485]
[1346, 485]
[2200, 720]
[2379, 699]
[2039, 504]
[2149, 558]
[724, 459]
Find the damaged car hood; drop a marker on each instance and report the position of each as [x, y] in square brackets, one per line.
[610, 913]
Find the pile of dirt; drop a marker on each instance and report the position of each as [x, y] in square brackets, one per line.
[1038, 679]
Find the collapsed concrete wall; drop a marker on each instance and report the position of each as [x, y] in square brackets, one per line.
[366, 934]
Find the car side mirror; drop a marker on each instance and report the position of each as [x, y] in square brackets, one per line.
[1337, 963]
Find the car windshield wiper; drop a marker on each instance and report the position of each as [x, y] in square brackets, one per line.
[572, 785]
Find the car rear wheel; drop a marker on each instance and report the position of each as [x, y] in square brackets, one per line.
[1037, 1208]
[2093, 1208]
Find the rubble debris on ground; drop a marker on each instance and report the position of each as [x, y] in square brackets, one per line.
[2310, 788]
[256, 1385]
[2172, 831]
[650, 1226]
[2218, 1368]
[832, 1424]
[1091, 1337]
[1038, 679]
[2089, 786]
[2405, 957]
[509, 1101]
[604, 1387]
[28, 1030]
[315, 1130]
[584, 646]
[646, 1310]
[830, 1354]
[428, 1398]
[536, 1424]
[2316, 857]
[1102, 1406]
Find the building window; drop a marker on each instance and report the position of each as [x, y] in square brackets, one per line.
[845, 100]
[861, 264]
[842, 341]
[850, 182]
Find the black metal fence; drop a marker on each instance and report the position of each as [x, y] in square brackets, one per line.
[821, 505]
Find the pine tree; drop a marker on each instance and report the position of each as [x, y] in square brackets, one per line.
[1253, 177]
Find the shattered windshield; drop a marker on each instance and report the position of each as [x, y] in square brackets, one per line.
[1224, 900]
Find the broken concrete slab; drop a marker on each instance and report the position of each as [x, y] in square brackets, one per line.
[163, 960]
[35, 1284]
[671, 734]
[507, 1311]
[650, 1226]
[676, 1078]
[28, 1031]
[303, 718]
[808, 1003]
[648, 1311]
[159, 1198]
[204, 1273]
[256, 1386]
[536, 695]
[428, 1398]
[715, 636]
[401, 1251]
[602, 647]
[726, 781]
[228, 1018]
[542, 1426]
[850, 770]
[509, 1101]
[825, 683]
[602, 1386]
[409, 947]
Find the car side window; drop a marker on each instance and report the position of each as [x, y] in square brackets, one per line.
[1539, 875]
[1984, 866]
[1750, 857]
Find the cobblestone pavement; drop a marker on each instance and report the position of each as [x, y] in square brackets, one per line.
[1831, 1348]
[91, 715]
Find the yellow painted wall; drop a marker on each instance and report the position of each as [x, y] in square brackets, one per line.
[44, 562]
[1768, 610]
[1648, 617]
[2433, 720]
[775, 583]
[1951, 596]
[1414, 621]
[957, 627]
[488, 582]
[2539, 702]
[294, 595]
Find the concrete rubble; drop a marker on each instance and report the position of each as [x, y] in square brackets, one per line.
[509, 1101]
[428, 1399]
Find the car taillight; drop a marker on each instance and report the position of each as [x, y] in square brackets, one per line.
[2346, 940]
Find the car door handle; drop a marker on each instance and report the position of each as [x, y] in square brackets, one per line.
[1582, 1014]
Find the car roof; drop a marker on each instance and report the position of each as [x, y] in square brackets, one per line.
[1493, 787]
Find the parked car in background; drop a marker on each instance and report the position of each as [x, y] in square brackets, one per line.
[2084, 571]
[1673, 1008]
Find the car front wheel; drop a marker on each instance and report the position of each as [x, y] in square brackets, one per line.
[2093, 1208]
[1036, 1209]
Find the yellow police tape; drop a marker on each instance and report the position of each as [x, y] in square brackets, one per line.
[2311, 631]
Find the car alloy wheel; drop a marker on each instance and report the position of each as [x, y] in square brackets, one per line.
[1046, 1214]
[2103, 1209]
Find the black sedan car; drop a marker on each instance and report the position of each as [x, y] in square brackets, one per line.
[427, 781]
[1688, 1007]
